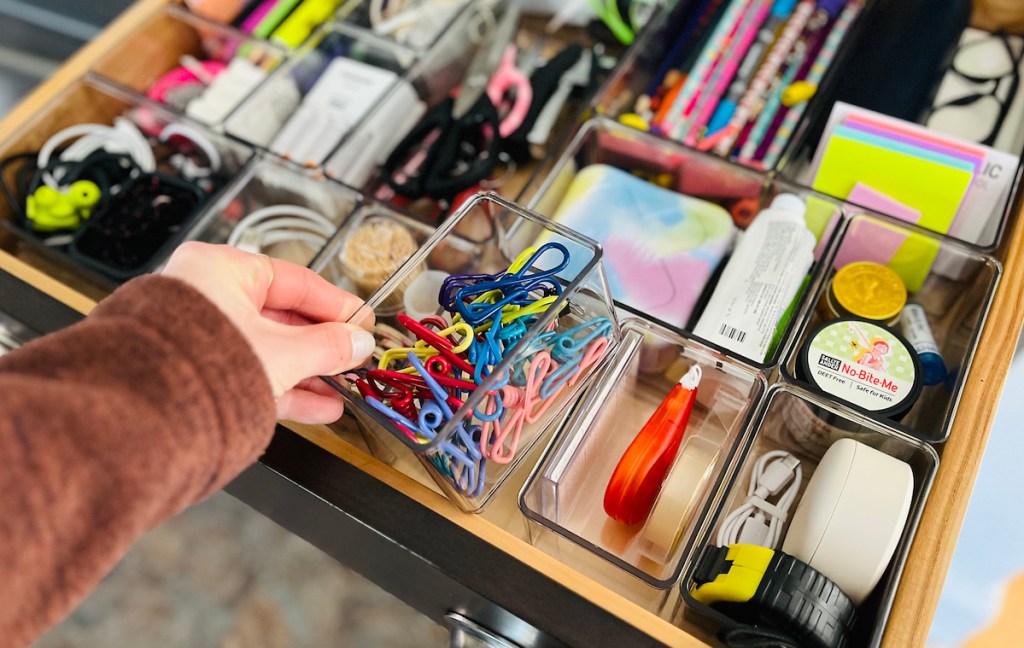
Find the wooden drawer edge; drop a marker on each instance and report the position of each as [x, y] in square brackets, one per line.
[79, 65]
[932, 551]
[599, 595]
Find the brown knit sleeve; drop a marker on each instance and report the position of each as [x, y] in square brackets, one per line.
[109, 427]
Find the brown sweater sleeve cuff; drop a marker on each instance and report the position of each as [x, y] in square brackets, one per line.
[219, 365]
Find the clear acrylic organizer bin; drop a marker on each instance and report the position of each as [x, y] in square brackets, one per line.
[314, 101]
[951, 281]
[444, 38]
[440, 69]
[166, 42]
[354, 258]
[565, 493]
[524, 384]
[797, 421]
[665, 213]
[276, 209]
[663, 44]
[92, 101]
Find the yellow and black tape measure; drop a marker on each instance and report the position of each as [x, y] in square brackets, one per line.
[757, 586]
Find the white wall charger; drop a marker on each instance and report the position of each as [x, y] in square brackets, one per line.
[851, 517]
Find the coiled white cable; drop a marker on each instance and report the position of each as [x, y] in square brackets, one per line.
[186, 165]
[123, 137]
[405, 21]
[280, 224]
[758, 521]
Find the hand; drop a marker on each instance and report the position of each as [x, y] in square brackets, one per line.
[293, 319]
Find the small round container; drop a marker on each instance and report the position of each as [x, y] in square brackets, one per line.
[868, 291]
[374, 251]
[863, 364]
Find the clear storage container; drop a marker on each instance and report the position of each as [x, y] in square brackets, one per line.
[668, 218]
[954, 285]
[180, 148]
[523, 384]
[176, 58]
[788, 417]
[566, 492]
[309, 105]
[276, 209]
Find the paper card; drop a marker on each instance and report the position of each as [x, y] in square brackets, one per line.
[934, 184]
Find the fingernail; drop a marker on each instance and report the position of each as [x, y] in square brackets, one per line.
[363, 344]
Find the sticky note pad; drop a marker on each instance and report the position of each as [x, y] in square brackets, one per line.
[909, 254]
[866, 196]
[931, 183]
[660, 247]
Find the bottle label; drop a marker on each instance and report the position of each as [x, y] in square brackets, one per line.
[862, 364]
[916, 330]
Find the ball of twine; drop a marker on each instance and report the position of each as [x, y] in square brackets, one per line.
[374, 252]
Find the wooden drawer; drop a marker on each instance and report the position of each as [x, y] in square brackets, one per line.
[402, 533]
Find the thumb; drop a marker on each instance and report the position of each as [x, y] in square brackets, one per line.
[302, 352]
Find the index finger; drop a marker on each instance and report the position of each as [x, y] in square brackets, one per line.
[300, 290]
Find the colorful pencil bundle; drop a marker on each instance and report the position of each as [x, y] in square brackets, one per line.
[740, 74]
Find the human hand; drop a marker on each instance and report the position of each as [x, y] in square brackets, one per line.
[293, 319]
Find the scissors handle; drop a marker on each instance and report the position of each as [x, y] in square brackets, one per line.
[443, 136]
[506, 78]
[405, 174]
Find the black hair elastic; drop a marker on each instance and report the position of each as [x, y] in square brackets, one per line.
[129, 228]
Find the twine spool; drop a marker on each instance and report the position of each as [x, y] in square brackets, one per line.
[373, 253]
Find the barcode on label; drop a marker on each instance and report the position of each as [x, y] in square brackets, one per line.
[733, 333]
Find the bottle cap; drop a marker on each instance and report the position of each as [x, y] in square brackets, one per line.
[789, 203]
[868, 290]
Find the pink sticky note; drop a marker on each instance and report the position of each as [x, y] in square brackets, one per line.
[869, 240]
[871, 198]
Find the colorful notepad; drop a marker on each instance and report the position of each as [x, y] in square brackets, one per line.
[932, 183]
[959, 188]
[660, 247]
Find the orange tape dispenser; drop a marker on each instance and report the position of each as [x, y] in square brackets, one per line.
[637, 479]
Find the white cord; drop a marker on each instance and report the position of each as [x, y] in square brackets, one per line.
[123, 137]
[757, 521]
[184, 163]
[279, 224]
[404, 20]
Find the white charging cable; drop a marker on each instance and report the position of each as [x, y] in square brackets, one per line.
[184, 163]
[757, 521]
[122, 137]
[412, 23]
[281, 224]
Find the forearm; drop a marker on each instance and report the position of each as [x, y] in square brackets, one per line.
[109, 427]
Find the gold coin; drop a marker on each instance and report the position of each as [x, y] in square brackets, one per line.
[869, 290]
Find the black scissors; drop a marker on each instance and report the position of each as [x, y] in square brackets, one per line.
[457, 143]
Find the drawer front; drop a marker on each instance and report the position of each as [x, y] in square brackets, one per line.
[428, 561]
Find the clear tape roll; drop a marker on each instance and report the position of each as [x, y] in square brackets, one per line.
[678, 498]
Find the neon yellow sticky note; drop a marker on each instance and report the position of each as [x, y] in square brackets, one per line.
[933, 188]
[820, 216]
